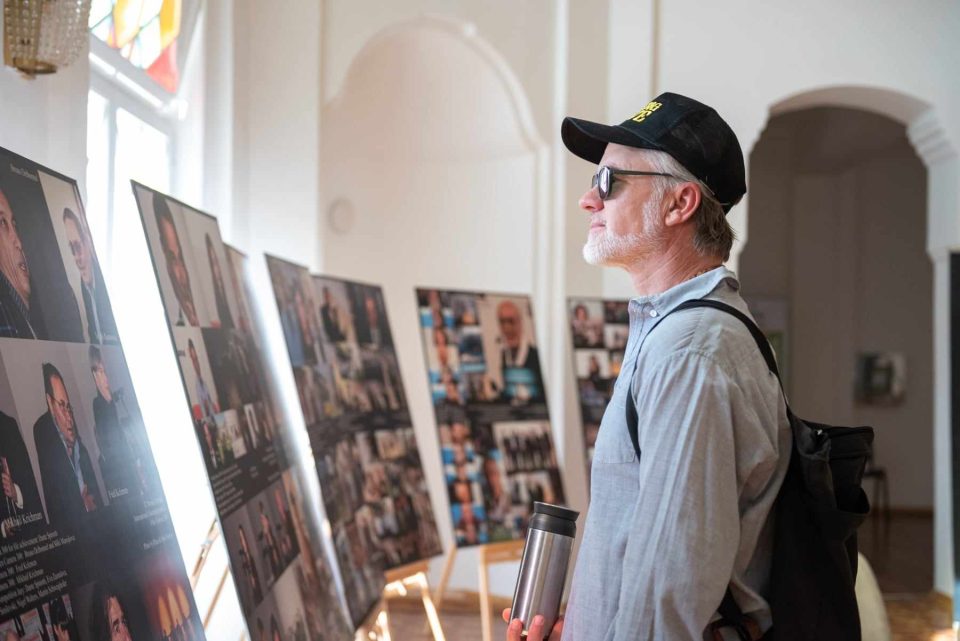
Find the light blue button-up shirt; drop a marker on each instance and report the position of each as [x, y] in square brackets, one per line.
[665, 536]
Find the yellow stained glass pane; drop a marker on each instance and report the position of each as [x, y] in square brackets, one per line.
[170, 15]
[126, 20]
[144, 32]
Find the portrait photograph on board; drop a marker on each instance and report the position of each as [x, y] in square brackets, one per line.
[599, 331]
[486, 383]
[81, 497]
[358, 420]
[239, 426]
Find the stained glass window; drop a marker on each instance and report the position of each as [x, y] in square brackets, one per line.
[145, 32]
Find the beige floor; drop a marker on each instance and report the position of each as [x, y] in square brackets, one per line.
[912, 618]
[407, 624]
[900, 552]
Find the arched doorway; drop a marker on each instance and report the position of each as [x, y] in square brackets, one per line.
[837, 264]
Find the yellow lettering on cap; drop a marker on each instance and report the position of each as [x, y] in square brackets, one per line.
[648, 109]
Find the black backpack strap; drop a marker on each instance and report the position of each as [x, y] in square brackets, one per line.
[732, 616]
[756, 332]
[762, 343]
[633, 420]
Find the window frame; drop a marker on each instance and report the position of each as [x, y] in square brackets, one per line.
[123, 86]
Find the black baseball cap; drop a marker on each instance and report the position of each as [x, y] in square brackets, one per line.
[690, 131]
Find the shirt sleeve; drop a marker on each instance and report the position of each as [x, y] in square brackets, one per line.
[686, 525]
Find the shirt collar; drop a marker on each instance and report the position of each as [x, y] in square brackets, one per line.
[698, 287]
[75, 457]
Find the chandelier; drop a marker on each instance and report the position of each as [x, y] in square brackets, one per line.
[39, 36]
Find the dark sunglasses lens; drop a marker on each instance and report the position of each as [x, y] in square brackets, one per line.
[604, 182]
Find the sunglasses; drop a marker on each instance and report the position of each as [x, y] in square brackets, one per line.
[603, 179]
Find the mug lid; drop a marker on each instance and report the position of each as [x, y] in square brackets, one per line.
[555, 510]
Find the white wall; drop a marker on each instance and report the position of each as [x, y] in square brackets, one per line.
[45, 119]
[838, 231]
[260, 107]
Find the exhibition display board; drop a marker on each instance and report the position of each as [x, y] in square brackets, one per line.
[354, 404]
[87, 547]
[491, 409]
[285, 586]
[599, 329]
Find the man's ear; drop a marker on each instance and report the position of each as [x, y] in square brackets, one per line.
[684, 202]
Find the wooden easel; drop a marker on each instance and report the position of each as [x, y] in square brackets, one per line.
[399, 580]
[415, 575]
[375, 626]
[213, 533]
[488, 554]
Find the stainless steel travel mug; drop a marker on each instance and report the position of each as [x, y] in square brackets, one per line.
[543, 568]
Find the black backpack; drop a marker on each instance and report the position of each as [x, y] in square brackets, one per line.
[818, 509]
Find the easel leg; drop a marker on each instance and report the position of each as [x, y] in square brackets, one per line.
[486, 625]
[429, 607]
[383, 624]
[375, 625]
[441, 590]
[413, 575]
[444, 578]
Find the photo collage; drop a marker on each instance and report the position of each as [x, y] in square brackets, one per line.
[238, 425]
[491, 410]
[599, 329]
[283, 583]
[84, 525]
[355, 408]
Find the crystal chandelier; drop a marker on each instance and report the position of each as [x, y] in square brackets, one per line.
[39, 36]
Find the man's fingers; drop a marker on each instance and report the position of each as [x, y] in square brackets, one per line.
[557, 631]
[535, 633]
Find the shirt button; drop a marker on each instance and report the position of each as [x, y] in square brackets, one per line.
[653, 313]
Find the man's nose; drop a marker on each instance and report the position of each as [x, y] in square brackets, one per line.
[591, 201]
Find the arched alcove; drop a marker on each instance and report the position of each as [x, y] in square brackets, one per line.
[838, 233]
[433, 175]
[432, 161]
[938, 225]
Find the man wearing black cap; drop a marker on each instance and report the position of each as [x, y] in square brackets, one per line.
[674, 532]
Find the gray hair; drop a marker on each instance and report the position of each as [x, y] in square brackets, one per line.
[714, 236]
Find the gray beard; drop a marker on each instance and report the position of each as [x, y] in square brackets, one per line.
[609, 250]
